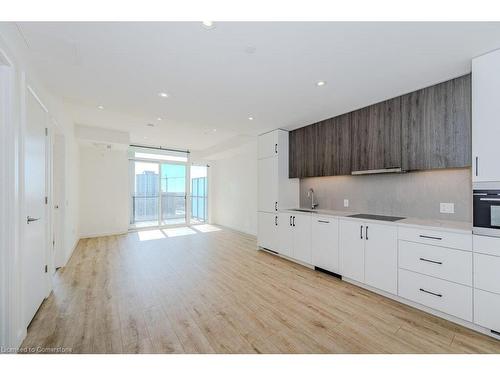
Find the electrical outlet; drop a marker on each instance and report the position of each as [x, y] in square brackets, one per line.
[447, 208]
[346, 202]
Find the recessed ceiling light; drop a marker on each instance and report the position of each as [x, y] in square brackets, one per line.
[208, 24]
[145, 137]
[159, 119]
[320, 83]
[250, 118]
[163, 94]
[100, 107]
[214, 130]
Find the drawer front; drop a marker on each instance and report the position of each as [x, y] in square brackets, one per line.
[448, 264]
[487, 309]
[462, 241]
[445, 296]
[487, 273]
[486, 245]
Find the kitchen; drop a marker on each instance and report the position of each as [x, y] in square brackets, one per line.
[400, 197]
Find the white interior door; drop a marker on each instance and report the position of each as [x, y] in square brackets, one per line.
[35, 240]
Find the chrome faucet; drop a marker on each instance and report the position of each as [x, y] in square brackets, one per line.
[310, 194]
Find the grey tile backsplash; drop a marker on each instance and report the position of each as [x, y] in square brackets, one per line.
[413, 194]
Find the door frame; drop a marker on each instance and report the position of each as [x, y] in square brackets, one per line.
[187, 189]
[28, 90]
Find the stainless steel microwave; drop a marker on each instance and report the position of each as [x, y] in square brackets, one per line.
[486, 212]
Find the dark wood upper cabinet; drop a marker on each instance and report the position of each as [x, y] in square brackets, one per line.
[333, 149]
[436, 127]
[426, 129]
[376, 136]
[321, 149]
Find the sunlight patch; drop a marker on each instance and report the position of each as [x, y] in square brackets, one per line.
[176, 232]
[148, 235]
[205, 228]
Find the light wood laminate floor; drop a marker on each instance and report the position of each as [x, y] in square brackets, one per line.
[204, 290]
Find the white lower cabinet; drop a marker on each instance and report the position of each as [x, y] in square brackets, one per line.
[487, 291]
[441, 295]
[325, 243]
[352, 250]
[369, 254]
[295, 236]
[381, 257]
[487, 309]
[267, 231]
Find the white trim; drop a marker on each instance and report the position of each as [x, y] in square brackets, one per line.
[100, 234]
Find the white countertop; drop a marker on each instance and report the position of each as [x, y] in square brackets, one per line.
[436, 224]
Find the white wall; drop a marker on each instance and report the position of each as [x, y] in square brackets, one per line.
[12, 164]
[233, 189]
[104, 191]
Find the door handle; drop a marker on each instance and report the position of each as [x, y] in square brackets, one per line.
[361, 232]
[430, 237]
[434, 294]
[294, 221]
[430, 261]
[290, 221]
[323, 221]
[366, 232]
[29, 219]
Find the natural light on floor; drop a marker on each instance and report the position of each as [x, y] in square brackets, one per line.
[180, 231]
[148, 235]
[205, 228]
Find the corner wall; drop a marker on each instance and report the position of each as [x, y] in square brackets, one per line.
[233, 189]
[104, 191]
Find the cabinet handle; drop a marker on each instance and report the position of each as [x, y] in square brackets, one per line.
[276, 220]
[366, 233]
[294, 221]
[477, 164]
[430, 261]
[361, 232]
[434, 294]
[323, 221]
[290, 221]
[431, 237]
[275, 148]
[275, 206]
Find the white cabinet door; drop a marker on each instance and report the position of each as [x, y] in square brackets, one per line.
[267, 231]
[285, 234]
[487, 309]
[381, 256]
[301, 225]
[268, 144]
[268, 185]
[352, 250]
[325, 243]
[485, 119]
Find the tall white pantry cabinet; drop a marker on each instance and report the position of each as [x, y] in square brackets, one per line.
[275, 190]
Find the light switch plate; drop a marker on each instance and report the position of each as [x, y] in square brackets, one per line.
[447, 208]
[346, 202]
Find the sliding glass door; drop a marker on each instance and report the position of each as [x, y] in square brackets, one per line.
[199, 194]
[173, 194]
[145, 194]
[160, 183]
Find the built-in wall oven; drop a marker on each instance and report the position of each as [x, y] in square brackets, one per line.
[486, 207]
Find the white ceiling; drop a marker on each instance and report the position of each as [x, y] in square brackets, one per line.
[214, 82]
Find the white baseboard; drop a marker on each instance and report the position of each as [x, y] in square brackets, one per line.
[103, 234]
